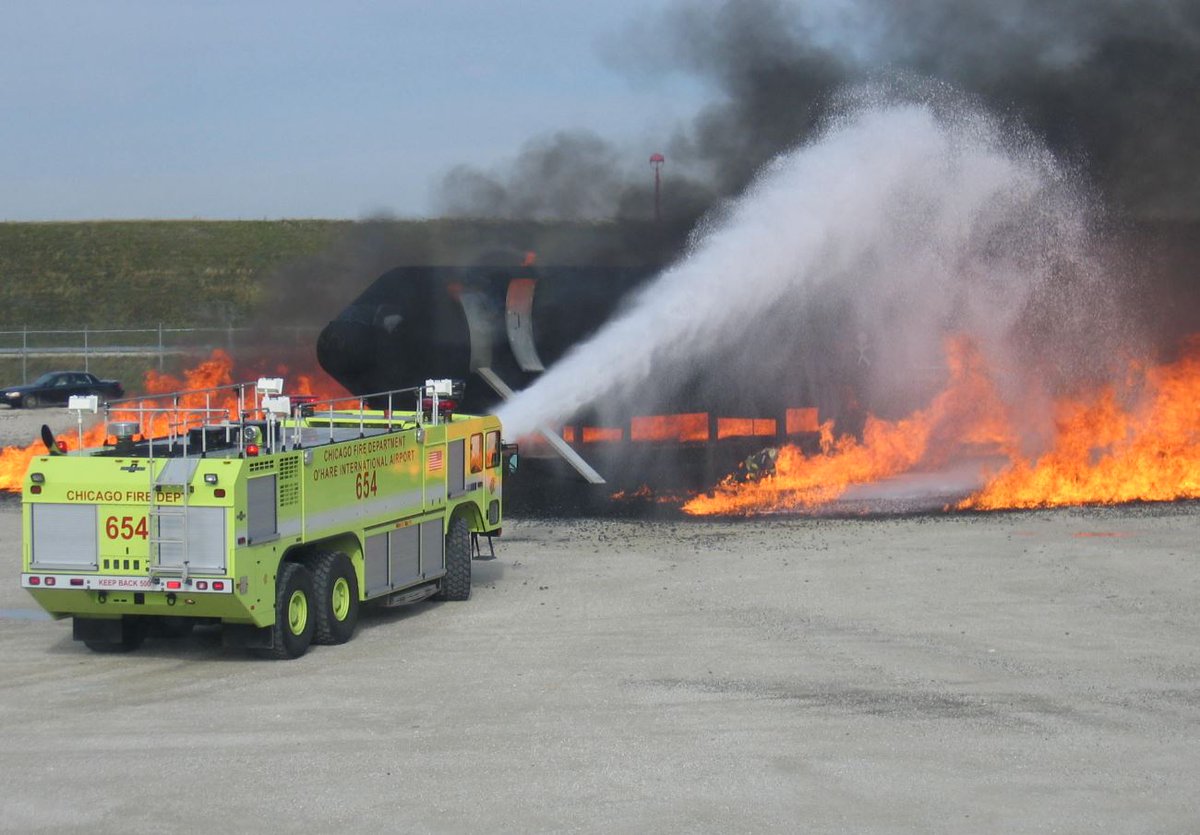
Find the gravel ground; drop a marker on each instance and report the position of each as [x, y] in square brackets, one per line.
[22, 427]
[1032, 672]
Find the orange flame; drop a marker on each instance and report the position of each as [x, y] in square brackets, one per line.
[14, 461]
[1134, 441]
[685, 427]
[213, 372]
[1139, 442]
[602, 434]
[745, 427]
[967, 416]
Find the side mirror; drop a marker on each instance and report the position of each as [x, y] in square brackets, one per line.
[509, 452]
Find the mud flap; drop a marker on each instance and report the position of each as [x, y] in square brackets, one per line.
[245, 636]
[101, 630]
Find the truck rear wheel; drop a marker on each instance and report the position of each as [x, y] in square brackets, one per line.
[456, 585]
[336, 588]
[295, 613]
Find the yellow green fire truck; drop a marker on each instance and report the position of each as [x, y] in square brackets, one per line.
[277, 517]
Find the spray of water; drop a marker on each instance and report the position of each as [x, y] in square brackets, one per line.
[912, 219]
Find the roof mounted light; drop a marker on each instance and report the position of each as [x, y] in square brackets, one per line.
[84, 403]
[269, 386]
[277, 405]
[124, 430]
[442, 388]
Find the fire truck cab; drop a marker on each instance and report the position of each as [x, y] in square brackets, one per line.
[277, 520]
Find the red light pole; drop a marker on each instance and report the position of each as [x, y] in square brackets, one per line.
[656, 161]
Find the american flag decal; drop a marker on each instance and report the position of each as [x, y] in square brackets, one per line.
[434, 462]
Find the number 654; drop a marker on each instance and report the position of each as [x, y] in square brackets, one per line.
[365, 484]
[125, 527]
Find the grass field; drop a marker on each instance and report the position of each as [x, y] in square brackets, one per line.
[118, 274]
[290, 275]
[106, 274]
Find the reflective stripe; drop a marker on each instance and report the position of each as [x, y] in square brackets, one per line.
[367, 513]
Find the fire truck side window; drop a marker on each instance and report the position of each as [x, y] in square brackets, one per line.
[493, 449]
[477, 453]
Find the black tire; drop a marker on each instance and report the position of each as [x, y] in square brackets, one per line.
[336, 588]
[31, 401]
[295, 613]
[133, 634]
[456, 585]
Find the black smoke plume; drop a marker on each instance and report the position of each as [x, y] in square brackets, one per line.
[1110, 85]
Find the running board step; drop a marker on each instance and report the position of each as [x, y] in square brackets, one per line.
[400, 598]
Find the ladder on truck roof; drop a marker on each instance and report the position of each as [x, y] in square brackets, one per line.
[168, 520]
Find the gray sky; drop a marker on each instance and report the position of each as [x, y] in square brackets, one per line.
[268, 109]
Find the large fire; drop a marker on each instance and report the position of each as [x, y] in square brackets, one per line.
[217, 370]
[1134, 441]
[964, 417]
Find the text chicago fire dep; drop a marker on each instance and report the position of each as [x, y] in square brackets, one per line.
[121, 496]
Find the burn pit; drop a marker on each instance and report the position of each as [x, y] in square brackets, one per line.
[1137, 441]
[960, 448]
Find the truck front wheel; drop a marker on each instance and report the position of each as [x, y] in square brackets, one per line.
[295, 615]
[336, 588]
[456, 585]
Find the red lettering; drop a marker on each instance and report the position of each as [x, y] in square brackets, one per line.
[125, 528]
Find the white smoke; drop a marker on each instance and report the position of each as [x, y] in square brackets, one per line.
[925, 218]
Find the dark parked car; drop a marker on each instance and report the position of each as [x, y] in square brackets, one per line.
[54, 388]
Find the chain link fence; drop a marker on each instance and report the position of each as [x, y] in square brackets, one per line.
[30, 349]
